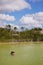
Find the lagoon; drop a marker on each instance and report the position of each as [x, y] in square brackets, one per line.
[31, 54]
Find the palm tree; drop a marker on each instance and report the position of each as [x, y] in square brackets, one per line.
[22, 28]
[15, 29]
[8, 27]
[26, 34]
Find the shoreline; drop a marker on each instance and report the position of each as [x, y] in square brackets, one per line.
[18, 43]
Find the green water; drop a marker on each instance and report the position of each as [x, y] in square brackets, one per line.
[24, 54]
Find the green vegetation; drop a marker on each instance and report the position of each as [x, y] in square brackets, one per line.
[9, 34]
[31, 54]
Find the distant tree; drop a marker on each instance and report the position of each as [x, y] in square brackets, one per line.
[8, 34]
[22, 28]
[8, 27]
[37, 29]
[15, 29]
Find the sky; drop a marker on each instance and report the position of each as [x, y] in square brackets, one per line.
[21, 13]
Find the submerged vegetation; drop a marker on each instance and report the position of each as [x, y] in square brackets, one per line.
[8, 34]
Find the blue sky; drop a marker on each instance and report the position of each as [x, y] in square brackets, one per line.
[27, 13]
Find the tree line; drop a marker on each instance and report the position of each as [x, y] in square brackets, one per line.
[8, 34]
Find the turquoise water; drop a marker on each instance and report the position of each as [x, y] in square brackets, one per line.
[24, 54]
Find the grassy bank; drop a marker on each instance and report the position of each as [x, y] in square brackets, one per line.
[21, 43]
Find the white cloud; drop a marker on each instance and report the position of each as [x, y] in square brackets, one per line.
[1, 24]
[39, 17]
[29, 20]
[7, 17]
[33, 20]
[12, 5]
